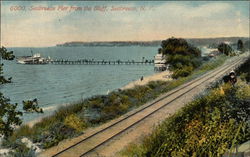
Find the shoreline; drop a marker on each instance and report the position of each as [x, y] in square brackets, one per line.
[161, 76]
[37, 120]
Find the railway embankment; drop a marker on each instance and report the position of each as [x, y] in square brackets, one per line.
[215, 123]
[111, 138]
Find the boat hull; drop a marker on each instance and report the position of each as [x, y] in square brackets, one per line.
[36, 59]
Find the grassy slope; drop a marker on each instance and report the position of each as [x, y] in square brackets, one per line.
[210, 125]
[71, 121]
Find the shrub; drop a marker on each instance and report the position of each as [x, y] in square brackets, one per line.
[21, 150]
[183, 72]
[243, 91]
[75, 122]
[25, 130]
[225, 48]
[244, 71]
[55, 134]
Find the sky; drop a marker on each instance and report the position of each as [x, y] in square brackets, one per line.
[29, 24]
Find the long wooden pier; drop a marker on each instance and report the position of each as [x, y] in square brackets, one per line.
[100, 62]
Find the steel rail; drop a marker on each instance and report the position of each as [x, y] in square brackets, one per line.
[220, 69]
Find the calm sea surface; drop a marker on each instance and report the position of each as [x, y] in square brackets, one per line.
[54, 85]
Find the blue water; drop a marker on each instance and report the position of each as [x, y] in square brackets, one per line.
[54, 85]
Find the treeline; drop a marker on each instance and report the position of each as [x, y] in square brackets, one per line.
[111, 43]
[182, 57]
[193, 41]
[228, 49]
[214, 42]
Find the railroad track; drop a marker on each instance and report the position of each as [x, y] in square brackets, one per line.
[99, 138]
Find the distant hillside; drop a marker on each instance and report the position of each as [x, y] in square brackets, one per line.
[111, 43]
[194, 41]
[212, 41]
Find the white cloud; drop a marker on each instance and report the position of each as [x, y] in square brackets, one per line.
[208, 20]
[208, 10]
[35, 28]
[41, 28]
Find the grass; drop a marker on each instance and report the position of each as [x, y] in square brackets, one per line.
[212, 124]
[209, 126]
[70, 121]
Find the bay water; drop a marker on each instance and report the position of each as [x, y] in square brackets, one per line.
[55, 85]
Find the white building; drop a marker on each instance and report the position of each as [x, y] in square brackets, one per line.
[160, 62]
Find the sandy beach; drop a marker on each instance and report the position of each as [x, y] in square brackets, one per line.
[161, 76]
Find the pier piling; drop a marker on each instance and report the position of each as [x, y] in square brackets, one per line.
[99, 62]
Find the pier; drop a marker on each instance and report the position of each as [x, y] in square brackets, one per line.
[37, 59]
[100, 62]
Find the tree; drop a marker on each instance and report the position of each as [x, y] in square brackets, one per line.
[247, 44]
[9, 115]
[240, 45]
[181, 57]
[225, 48]
[159, 51]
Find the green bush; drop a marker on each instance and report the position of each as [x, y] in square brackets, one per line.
[181, 57]
[73, 121]
[183, 72]
[244, 70]
[208, 126]
[225, 48]
[55, 134]
[213, 63]
[21, 150]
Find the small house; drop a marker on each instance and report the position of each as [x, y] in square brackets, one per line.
[160, 62]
